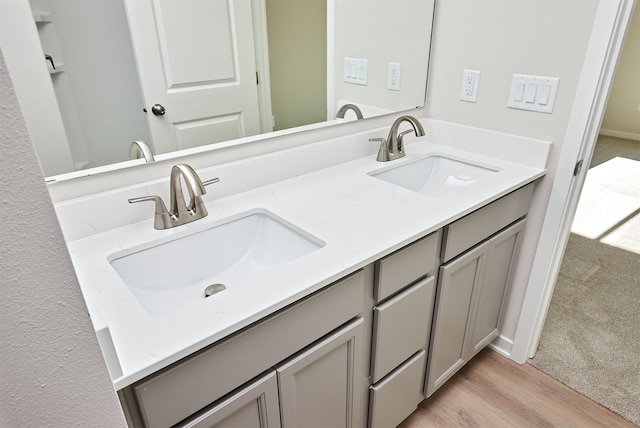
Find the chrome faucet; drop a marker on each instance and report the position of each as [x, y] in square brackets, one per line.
[179, 213]
[344, 108]
[139, 149]
[392, 147]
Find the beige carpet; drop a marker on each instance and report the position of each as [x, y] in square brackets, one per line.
[591, 337]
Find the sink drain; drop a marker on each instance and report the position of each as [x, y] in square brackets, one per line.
[213, 289]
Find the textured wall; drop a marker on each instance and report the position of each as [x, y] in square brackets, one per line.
[52, 371]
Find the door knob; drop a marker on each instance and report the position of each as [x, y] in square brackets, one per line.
[158, 110]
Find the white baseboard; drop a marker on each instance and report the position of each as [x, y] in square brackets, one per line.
[502, 345]
[620, 134]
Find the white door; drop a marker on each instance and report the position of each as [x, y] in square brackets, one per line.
[196, 60]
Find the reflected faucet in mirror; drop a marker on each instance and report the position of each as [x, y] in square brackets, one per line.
[347, 107]
[180, 213]
[392, 147]
[140, 149]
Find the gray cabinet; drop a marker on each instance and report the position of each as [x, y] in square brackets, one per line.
[255, 406]
[479, 252]
[492, 292]
[404, 291]
[472, 290]
[396, 396]
[456, 283]
[401, 327]
[391, 328]
[314, 388]
[181, 391]
[318, 387]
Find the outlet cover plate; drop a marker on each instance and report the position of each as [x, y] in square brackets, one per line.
[469, 86]
[394, 71]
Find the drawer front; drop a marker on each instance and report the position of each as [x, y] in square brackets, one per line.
[406, 265]
[397, 395]
[177, 393]
[484, 222]
[401, 327]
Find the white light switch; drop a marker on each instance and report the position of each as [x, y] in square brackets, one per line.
[530, 92]
[543, 98]
[519, 92]
[533, 93]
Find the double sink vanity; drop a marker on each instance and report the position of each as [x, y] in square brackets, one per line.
[342, 296]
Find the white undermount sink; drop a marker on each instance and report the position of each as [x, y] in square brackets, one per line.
[169, 275]
[435, 175]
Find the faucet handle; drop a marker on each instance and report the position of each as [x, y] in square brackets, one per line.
[400, 142]
[213, 180]
[383, 151]
[162, 218]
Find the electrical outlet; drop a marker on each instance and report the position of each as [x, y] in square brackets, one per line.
[469, 87]
[393, 76]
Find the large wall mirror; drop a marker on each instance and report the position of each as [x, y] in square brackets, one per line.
[92, 76]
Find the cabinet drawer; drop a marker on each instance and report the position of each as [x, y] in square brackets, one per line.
[401, 327]
[397, 395]
[178, 392]
[484, 222]
[406, 265]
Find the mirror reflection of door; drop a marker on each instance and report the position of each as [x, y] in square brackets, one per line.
[196, 59]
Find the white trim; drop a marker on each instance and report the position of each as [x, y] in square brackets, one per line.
[620, 134]
[261, 46]
[331, 50]
[609, 29]
[502, 345]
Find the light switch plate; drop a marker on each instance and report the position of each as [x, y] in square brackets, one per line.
[355, 71]
[533, 93]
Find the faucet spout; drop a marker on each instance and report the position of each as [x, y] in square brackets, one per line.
[194, 187]
[394, 140]
[393, 147]
[341, 112]
[139, 149]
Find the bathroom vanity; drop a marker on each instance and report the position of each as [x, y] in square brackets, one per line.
[401, 280]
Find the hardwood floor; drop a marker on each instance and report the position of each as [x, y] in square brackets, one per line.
[493, 391]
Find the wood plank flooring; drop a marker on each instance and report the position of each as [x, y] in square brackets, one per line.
[492, 391]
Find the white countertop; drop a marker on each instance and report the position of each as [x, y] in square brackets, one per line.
[359, 217]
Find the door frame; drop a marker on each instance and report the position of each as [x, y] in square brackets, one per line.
[261, 46]
[607, 37]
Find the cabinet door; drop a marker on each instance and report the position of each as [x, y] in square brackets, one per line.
[491, 293]
[453, 305]
[318, 387]
[253, 406]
